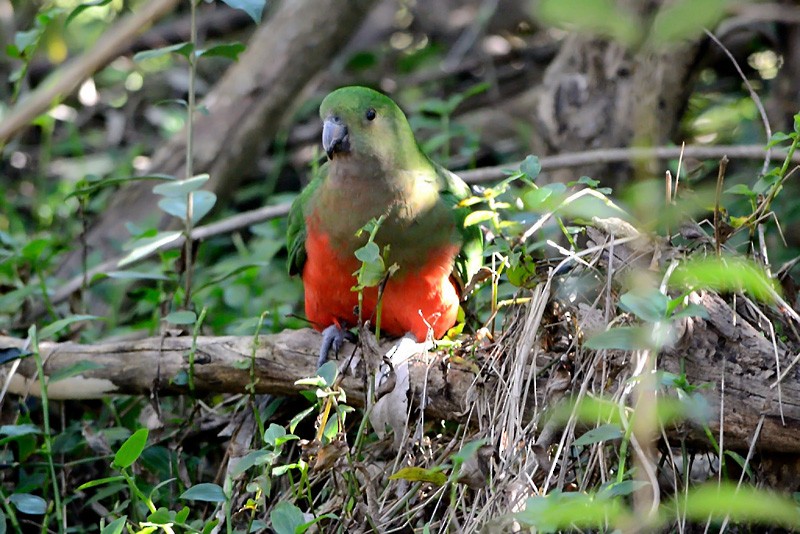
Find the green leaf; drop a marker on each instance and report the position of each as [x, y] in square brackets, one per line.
[531, 167]
[75, 369]
[203, 202]
[623, 338]
[741, 189]
[83, 7]
[478, 216]
[205, 492]
[621, 489]
[272, 433]
[254, 8]
[183, 49]
[685, 19]
[181, 188]
[19, 430]
[778, 138]
[116, 526]
[175, 206]
[419, 474]
[181, 317]
[251, 459]
[691, 310]
[28, 504]
[597, 435]
[745, 505]
[726, 273]
[144, 247]
[130, 451]
[650, 307]
[369, 253]
[328, 372]
[56, 326]
[569, 510]
[100, 482]
[585, 180]
[229, 50]
[286, 518]
[599, 16]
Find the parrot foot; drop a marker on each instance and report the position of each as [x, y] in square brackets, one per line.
[333, 337]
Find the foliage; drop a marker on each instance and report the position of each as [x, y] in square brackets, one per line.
[121, 465]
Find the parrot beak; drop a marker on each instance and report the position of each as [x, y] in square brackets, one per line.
[334, 136]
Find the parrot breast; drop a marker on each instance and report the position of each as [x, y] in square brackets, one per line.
[426, 291]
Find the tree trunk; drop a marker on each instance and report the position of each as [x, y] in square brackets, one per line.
[245, 110]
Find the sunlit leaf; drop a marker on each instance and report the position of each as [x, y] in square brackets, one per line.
[254, 8]
[747, 504]
[130, 451]
[418, 474]
[685, 19]
[144, 247]
[83, 7]
[727, 273]
[181, 188]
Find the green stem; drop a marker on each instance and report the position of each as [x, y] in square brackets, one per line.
[189, 263]
[136, 491]
[48, 440]
[196, 332]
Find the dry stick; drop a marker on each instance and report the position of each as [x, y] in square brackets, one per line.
[64, 81]
[723, 165]
[188, 260]
[475, 176]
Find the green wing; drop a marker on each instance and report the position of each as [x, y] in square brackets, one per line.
[470, 258]
[296, 228]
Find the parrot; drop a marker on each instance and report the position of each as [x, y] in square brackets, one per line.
[375, 168]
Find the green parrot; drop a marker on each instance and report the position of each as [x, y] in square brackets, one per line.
[376, 168]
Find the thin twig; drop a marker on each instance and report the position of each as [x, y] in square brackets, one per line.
[753, 95]
[723, 165]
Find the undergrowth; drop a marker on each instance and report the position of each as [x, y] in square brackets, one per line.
[569, 420]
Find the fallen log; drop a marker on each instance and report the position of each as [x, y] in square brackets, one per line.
[723, 348]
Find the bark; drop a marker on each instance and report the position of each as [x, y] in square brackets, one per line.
[726, 345]
[245, 110]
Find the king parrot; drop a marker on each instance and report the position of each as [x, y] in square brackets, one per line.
[375, 167]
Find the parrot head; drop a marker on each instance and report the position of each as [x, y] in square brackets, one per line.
[361, 123]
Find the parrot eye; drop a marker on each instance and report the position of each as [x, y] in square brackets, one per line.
[371, 114]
